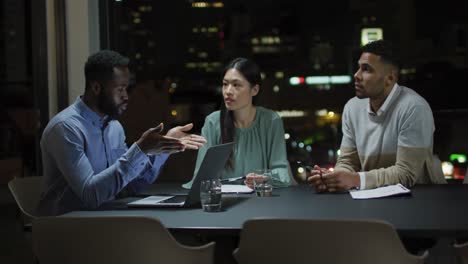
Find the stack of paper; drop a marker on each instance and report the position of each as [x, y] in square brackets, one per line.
[380, 192]
[235, 188]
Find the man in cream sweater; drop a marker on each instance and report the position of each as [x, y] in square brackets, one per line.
[387, 130]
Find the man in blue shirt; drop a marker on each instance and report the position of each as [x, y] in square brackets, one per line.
[86, 160]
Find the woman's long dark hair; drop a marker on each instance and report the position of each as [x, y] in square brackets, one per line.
[251, 73]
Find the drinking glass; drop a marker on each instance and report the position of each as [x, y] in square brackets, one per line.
[262, 183]
[210, 195]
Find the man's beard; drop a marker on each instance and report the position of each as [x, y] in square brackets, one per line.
[361, 94]
[107, 106]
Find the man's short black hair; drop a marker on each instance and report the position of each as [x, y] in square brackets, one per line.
[385, 50]
[100, 65]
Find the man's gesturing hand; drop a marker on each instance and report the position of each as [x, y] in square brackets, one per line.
[190, 141]
[152, 142]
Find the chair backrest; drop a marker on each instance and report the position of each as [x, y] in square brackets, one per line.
[26, 192]
[462, 252]
[118, 239]
[321, 241]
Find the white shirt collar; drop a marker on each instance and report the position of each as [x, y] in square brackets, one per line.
[386, 103]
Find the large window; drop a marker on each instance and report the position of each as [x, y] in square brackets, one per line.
[306, 49]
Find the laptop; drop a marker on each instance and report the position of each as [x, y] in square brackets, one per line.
[210, 168]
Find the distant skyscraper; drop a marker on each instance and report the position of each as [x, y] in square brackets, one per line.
[15, 54]
[13, 66]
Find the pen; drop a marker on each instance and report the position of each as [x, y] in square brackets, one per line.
[233, 179]
[402, 187]
[321, 178]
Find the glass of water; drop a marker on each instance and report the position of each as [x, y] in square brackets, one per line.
[262, 183]
[210, 195]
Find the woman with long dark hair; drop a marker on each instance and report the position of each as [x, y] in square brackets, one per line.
[258, 132]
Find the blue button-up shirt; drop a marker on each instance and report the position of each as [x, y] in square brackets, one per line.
[87, 162]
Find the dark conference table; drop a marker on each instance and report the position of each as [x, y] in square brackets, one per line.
[430, 210]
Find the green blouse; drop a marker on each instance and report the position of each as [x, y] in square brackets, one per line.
[262, 145]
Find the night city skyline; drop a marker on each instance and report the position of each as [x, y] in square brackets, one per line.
[307, 52]
[290, 39]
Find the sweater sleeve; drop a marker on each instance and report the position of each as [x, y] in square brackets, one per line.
[413, 152]
[348, 160]
[349, 156]
[278, 161]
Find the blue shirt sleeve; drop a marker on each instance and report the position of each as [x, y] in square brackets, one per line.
[93, 188]
[151, 171]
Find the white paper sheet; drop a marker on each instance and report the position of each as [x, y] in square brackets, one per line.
[380, 192]
[235, 188]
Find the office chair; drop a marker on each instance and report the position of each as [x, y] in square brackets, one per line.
[26, 192]
[462, 252]
[117, 239]
[321, 241]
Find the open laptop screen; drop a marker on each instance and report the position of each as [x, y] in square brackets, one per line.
[210, 168]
